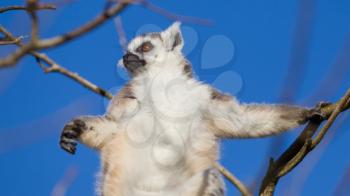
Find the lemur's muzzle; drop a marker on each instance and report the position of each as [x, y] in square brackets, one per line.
[132, 62]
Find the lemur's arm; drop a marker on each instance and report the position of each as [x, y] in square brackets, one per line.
[228, 118]
[95, 131]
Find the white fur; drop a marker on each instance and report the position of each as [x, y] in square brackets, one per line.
[163, 131]
[164, 140]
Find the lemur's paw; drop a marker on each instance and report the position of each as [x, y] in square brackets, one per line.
[316, 112]
[70, 135]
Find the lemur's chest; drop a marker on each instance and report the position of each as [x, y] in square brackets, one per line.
[167, 126]
[168, 107]
[164, 141]
[170, 97]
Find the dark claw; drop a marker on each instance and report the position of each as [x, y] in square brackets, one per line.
[70, 135]
[69, 147]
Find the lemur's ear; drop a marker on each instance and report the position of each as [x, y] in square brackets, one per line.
[172, 37]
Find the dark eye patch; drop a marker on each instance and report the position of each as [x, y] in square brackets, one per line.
[145, 47]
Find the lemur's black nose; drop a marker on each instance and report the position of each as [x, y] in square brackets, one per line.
[129, 57]
[133, 63]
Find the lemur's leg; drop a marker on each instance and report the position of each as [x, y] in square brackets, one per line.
[213, 184]
[93, 131]
[228, 118]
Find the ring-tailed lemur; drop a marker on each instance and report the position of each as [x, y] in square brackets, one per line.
[160, 133]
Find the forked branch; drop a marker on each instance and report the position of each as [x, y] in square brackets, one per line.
[303, 145]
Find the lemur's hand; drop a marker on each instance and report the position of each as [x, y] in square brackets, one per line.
[316, 112]
[70, 135]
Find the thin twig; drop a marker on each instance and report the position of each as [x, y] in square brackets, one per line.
[93, 24]
[233, 179]
[31, 7]
[23, 50]
[6, 41]
[14, 57]
[24, 8]
[121, 33]
[65, 182]
[56, 68]
[34, 44]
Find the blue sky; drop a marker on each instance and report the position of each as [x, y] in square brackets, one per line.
[246, 52]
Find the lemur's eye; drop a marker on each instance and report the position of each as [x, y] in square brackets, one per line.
[145, 47]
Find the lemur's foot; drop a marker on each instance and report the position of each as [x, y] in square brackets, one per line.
[70, 135]
[316, 113]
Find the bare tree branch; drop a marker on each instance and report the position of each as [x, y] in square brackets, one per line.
[99, 20]
[36, 44]
[56, 68]
[7, 41]
[23, 50]
[343, 104]
[300, 176]
[301, 146]
[233, 179]
[24, 8]
[11, 59]
[31, 7]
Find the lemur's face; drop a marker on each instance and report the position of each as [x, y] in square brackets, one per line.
[148, 49]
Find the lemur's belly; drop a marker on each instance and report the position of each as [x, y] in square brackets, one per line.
[160, 148]
[161, 154]
[165, 141]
